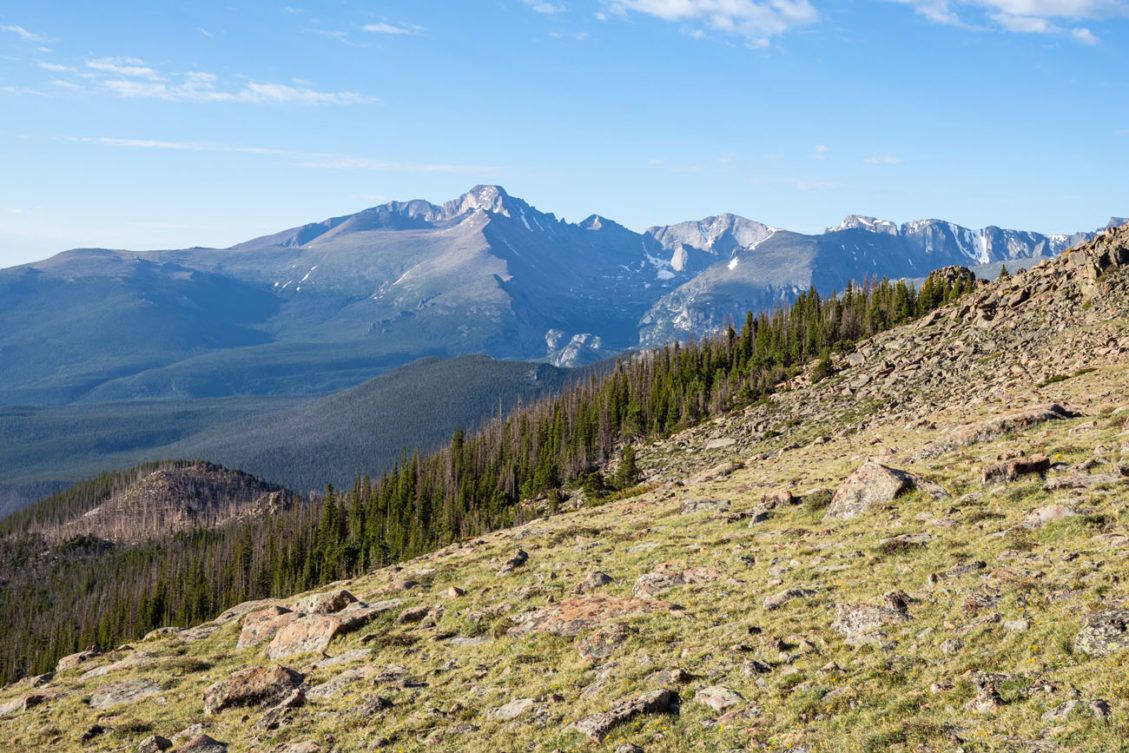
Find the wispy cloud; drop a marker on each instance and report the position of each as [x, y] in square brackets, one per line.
[821, 152]
[544, 6]
[883, 159]
[384, 27]
[23, 33]
[133, 78]
[1054, 17]
[319, 160]
[758, 22]
[124, 67]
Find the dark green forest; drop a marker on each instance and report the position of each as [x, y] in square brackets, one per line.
[57, 600]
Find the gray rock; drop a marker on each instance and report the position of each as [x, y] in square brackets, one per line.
[512, 710]
[1104, 633]
[593, 582]
[129, 691]
[154, 744]
[718, 697]
[256, 686]
[872, 484]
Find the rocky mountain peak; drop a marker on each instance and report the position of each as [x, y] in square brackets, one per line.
[863, 222]
[484, 198]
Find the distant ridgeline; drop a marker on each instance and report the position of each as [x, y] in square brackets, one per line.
[56, 599]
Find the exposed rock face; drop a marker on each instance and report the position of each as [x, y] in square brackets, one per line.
[257, 686]
[998, 426]
[512, 710]
[263, 625]
[661, 581]
[779, 599]
[579, 613]
[1048, 514]
[602, 643]
[128, 691]
[154, 744]
[22, 704]
[1104, 633]
[202, 744]
[872, 484]
[597, 726]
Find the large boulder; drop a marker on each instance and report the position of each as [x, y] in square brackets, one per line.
[1012, 470]
[257, 686]
[1104, 633]
[325, 603]
[872, 484]
[74, 660]
[863, 623]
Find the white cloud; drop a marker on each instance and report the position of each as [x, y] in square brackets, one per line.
[821, 152]
[56, 68]
[1022, 16]
[298, 159]
[132, 67]
[23, 33]
[384, 27]
[756, 21]
[544, 6]
[883, 159]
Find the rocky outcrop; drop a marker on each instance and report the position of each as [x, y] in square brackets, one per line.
[261, 626]
[128, 691]
[579, 613]
[1012, 470]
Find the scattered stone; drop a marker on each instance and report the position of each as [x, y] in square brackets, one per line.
[594, 581]
[601, 644]
[332, 687]
[863, 623]
[598, 726]
[257, 686]
[519, 558]
[358, 654]
[572, 616]
[129, 691]
[455, 592]
[1084, 481]
[279, 713]
[872, 484]
[511, 710]
[661, 581]
[1048, 514]
[202, 744]
[1104, 633]
[718, 697]
[704, 505]
[74, 660]
[777, 498]
[672, 676]
[302, 747]
[779, 599]
[754, 667]
[987, 697]
[997, 427]
[1014, 469]
[717, 472]
[1017, 626]
[93, 732]
[412, 615]
[1098, 708]
[154, 744]
[628, 748]
[22, 704]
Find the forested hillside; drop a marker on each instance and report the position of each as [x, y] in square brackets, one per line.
[86, 592]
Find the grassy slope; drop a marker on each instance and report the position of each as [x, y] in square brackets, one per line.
[832, 697]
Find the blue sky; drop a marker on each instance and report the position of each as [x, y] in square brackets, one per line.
[157, 125]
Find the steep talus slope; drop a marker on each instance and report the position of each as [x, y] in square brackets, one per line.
[926, 551]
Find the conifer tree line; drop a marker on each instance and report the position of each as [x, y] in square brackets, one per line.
[86, 592]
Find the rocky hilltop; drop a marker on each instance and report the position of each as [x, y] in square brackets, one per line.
[926, 550]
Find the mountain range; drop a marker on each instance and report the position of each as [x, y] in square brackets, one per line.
[324, 306]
